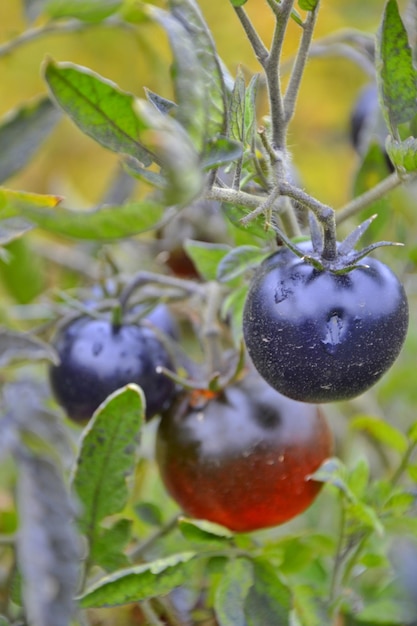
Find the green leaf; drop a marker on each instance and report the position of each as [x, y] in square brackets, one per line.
[307, 606]
[134, 168]
[250, 110]
[237, 108]
[220, 151]
[401, 525]
[308, 5]
[197, 74]
[201, 530]
[206, 256]
[373, 169]
[364, 516]
[163, 105]
[149, 513]
[295, 553]
[189, 86]
[188, 13]
[13, 203]
[232, 591]
[23, 272]
[86, 10]
[412, 433]
[4, 621]
[16, 346]
[175, 152]
[22, 132]
[238, 3]
[99, 108]
[400, 503]
[140, 582]
[105, 223]
[297, 17]
[412, 472]
[388, 611]
[381, 431]
[268, 600]
[107, 550]
[256, 227]
[358, 478]
[333, 472]
[395, 71]
[238, 261]
[107, 455]
[403, 153]
[242, 110]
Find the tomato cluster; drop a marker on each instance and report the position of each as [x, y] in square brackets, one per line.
[242, 454]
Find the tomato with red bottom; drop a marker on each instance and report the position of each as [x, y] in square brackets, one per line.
[243, 457]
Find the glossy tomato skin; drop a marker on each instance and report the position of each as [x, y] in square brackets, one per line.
[316, 336]
[97, 358]
[243, 459]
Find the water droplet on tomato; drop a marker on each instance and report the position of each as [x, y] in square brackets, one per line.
[335, 328]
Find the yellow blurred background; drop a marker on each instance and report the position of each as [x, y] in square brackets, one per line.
[72, 165]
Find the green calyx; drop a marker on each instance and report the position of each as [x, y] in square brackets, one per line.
[346, 258]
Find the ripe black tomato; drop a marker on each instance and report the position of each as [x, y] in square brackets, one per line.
[317, 336]
[96, 358]
[242, 458]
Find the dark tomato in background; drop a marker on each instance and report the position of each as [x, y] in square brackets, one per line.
[96, 358]
[242, 458]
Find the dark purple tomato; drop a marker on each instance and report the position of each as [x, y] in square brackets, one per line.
[243, 457]
[96, 358]
[366, 123]
[363, 115]
[317, 336]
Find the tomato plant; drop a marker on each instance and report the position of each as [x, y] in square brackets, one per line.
[242, 457]
[152, 242]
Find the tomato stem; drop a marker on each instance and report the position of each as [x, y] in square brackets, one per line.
[211, 329]
[142, 278]
[150, 614]
[138, 552]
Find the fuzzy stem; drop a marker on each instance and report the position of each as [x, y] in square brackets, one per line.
[338, 558]
[164, 530]
[262, 208]
[403, 464]
[272, 73]
[361, 202]
[260, 50]
[231, 196]
[151, 616]
[300, 64]
[324, 214]
[143, 278]
[211, 329]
